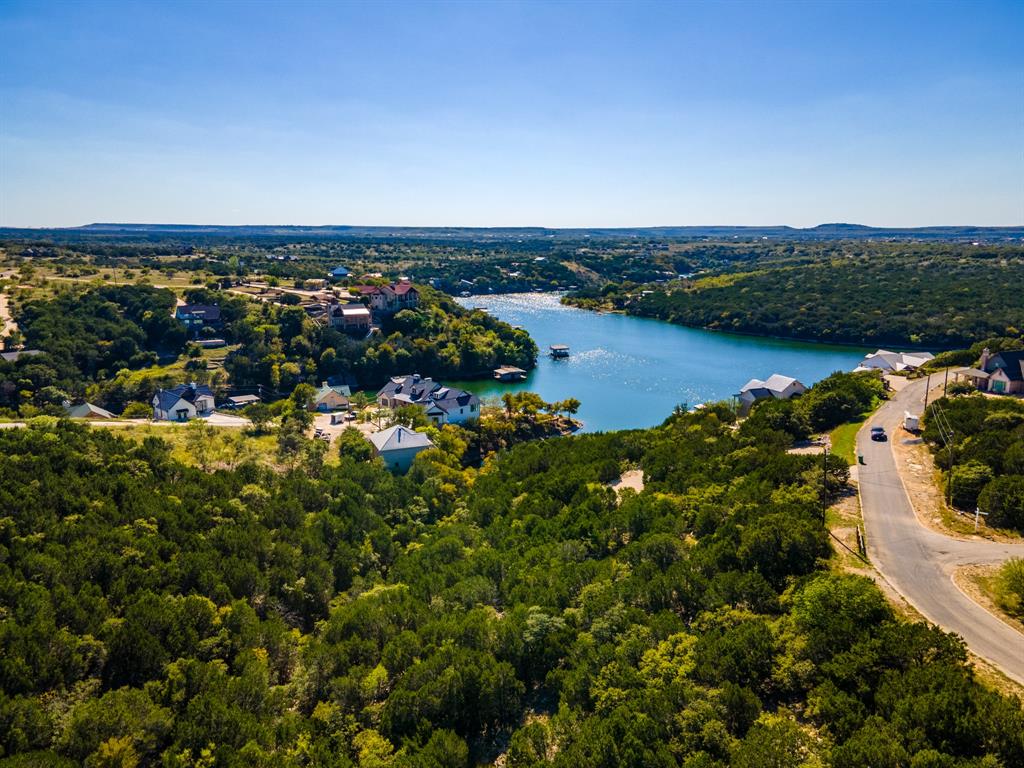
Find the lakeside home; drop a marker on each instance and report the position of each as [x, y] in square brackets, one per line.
[776, 386]
[444, 405]
[884, 360]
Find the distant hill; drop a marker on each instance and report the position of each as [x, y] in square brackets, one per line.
[833, 231]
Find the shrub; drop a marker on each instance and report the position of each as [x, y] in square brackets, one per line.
[1003, 501]
[1009, 587]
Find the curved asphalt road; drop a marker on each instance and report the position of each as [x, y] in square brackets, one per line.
[918, 562]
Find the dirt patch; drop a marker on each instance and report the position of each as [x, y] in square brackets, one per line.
[632, 478]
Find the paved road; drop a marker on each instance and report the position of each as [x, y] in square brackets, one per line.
[919, 563]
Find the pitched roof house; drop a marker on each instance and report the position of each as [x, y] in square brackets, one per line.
[444, 405]
[339, 271]
[351, 318]
[399, 445]
[885, 360]
[1005, 371]
[776, 386]
[330, 398]
[388, 299]
[198, 314]
[183, 402]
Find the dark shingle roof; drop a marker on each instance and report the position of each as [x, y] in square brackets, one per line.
[208, 312]
[1011, 362]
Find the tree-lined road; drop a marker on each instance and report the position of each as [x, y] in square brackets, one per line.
[920, 563]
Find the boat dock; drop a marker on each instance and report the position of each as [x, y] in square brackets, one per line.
[509, 373]
[559, 350]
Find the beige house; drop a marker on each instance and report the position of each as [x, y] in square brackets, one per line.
[330, 398]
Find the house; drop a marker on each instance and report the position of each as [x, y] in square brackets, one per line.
[242, 401]
[330, 398]
[884, 360]
[389, 299]
[444, 405]
[1005, 371]
[198, 316]
[183, 402]
[350, 318]
[398, 446]
[338, 272]
[88, 411]
[777, 387]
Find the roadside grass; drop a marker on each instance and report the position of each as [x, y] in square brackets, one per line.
[844, 440]
[206, 446]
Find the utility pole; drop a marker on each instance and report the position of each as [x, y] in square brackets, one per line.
[824, 481]
[927, 389]
[945, 381]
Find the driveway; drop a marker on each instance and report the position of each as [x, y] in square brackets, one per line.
[920, 563]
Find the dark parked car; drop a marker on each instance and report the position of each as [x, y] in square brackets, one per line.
[878, 434]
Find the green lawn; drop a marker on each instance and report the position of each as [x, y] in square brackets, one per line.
[844, 440]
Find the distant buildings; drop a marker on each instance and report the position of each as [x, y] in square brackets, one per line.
[339, 272]
[884, 360]
[443, 405]
[398, 446]
[183, 402]
[777, 387]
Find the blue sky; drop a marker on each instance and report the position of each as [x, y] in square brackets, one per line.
[502, 114]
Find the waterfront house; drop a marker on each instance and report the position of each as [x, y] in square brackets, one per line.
[443, 405]
[389, 299]
[776, 386]
[183, 402]
[398, 446]
[890, 362]
[330, 398]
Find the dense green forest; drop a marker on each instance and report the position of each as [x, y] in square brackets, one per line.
[935, 295]
[156, 614]
[94, 337]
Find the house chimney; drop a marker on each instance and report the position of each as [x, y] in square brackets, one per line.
[416, 378]
[985, 355]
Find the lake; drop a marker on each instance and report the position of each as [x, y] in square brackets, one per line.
[630, 372]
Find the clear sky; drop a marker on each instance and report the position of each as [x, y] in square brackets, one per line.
[502, 114]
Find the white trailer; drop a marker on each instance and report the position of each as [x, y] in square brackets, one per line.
[911, 423]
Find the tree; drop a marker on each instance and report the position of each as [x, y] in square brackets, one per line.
[1002, 500]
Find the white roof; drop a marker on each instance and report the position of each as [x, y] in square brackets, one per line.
[355, 312]
[775, 383]
[398, 438]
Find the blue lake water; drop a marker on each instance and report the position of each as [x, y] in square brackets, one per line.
[630, 372]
